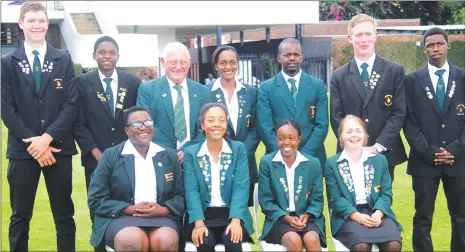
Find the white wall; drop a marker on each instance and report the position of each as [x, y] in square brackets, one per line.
[10, 13]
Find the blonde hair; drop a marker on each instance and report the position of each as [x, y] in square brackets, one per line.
[355, 119]
[359, 19]
[31, 6]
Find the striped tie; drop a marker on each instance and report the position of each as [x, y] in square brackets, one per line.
[293, 89]
[179, 117]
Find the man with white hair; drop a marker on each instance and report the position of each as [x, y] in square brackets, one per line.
[174, 101]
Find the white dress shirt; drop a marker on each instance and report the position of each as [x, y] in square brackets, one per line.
[370, 62]
[434, 78]
[145, 178]
[296, 78]
[233, 107]
[113, 85]
[290, 174]
[358, 174]
[216, 199]
[185, 96]
[30, 56]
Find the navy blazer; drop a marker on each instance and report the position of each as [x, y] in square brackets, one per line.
[52, 110]
[427, 128]
[95, 126]
[113, 185]
[246, 123]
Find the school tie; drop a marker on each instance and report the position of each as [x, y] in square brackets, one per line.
[365, 76]
[36, 72]
[293, 89]
[109, 94]
[440, 88]
[179, 117]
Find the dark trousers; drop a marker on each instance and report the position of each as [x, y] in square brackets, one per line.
[23, 177]
[426, 189]
[391, 172]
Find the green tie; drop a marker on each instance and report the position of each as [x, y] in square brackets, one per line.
[179, 117]
[37, 74]
[365, 76]
[109, 94]
[293, 89]
[440, 88]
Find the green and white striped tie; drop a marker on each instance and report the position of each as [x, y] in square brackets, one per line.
[179, 117]
[293, 89]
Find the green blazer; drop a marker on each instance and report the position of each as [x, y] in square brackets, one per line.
[234, 191]
[274, 198]
[341, 199]
[155, 95]
[113, 183]
[274, 104]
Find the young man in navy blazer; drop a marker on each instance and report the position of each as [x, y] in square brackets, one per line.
[39, 109]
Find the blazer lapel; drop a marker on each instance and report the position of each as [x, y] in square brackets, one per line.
[48, 66]
[159, 174]
[167, 100]
[299, 180]
[356, 79]
[302, 94]
[130, 170]
[427, 87]
[219, 98]
[450, 87]
[121, 93]
[20, 55]
[344, 170]
[280, 171]
[97, 90]
[242, 98]
[205, 169]
[369, 172]
[283, 90]
[375, 71]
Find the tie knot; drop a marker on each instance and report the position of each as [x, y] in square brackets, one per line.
[291, 80]
[35, 52]
[364, 66]
[178, 88]
[107, 80]
[440, 72]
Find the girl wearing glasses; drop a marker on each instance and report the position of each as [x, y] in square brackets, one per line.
[136, 194]
[240, 100]
[290, 190]
[216, 181]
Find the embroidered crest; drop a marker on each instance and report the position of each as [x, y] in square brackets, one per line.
[169, 177]
[461, 109]
[344, 170]
[58, 83]
[369, 176]
[388, 100]
[452, 89]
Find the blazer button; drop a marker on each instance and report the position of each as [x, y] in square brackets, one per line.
[42, 121]
[113, 216]
[443, 126]
[444, 142]
[366, 120]
[112, 129]
[112, 143]
[287, 209]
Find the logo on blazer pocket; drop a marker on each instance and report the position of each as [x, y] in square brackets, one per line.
[460, 109]
[388, 100]
[58, 83]
[169, 177]
[312, 112]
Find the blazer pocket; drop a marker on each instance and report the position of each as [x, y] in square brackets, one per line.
[385, 99]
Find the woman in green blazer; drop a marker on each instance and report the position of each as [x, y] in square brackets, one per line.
[136, 194]
[358, 187]
[216, 181]
[290, 191]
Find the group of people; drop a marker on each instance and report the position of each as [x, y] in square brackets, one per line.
[171, 160]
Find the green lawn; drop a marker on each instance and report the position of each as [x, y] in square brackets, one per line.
[42, 231]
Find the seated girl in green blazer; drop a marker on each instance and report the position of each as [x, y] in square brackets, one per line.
[216, 177]
[358, 186]
[290, 191]
[136, 193]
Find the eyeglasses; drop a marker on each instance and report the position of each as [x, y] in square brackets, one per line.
[138, 124]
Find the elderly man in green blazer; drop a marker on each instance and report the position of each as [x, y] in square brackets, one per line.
[293, 94]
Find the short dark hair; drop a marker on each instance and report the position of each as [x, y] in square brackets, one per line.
[131, 110]
[287, 41]
[219, 50]
[105, 39]
[207, 107]
[293, 123]
[433, 31]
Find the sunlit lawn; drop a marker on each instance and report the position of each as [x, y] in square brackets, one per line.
[42, 230]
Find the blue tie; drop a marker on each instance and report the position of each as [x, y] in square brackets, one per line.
[440, 89]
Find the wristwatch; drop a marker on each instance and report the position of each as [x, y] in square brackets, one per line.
[379, 149]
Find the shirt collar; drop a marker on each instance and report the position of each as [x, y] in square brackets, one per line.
[370, 61]
[298, 159]
[432, 69]
[183, 83]
[365, 155]
[114, 75]
[204, 149]
[129, 149]
[218, 85]
[296, 77]
[42, 49]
